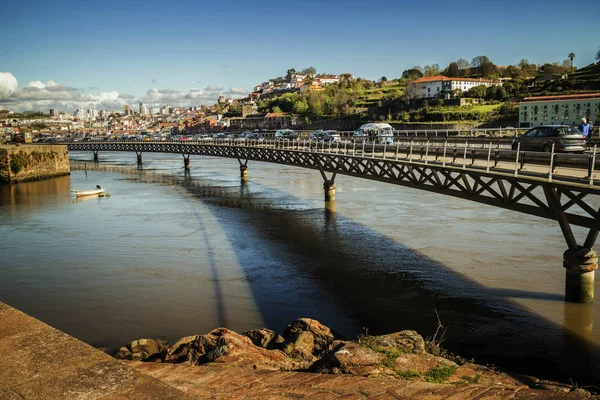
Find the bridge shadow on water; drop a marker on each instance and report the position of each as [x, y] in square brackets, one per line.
[384, 286]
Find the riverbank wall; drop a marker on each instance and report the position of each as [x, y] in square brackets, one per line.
[20, 163]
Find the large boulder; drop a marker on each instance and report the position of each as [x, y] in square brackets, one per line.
[352, 358]
[299, 346]
[265, 338]
[322, 335]
[407, 341]
[225, 346]
[141, 349]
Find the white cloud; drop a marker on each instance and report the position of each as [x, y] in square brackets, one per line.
[8, 84]
[237, 91]
[39, 96]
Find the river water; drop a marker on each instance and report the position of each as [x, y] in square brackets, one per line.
[171, 254]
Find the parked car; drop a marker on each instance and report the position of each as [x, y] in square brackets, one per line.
[286, 134]
[565, 138]
[254, 136]
[236, 136]
[317, 136]
[219, 135]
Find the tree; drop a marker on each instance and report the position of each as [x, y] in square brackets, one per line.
[432, 70]
[463, 66]
[290, 72]
[452, 70]
[412, 92]
[412, 74]
[571, 56]
[477, 92]
[309, 71]
[383, 79]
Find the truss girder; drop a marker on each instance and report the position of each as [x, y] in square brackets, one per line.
[522, 193]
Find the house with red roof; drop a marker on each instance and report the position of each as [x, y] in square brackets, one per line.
[436, 86]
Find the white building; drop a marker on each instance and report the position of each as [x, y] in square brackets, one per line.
[143, 109]
[433, 86]
[81, 113]
[566, 109]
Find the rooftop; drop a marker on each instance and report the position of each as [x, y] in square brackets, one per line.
[595, 95]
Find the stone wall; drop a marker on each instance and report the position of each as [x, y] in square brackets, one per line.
[30, 162]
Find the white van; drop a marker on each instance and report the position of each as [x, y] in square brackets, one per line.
[378, 133]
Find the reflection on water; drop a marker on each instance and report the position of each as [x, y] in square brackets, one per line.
[174, 253]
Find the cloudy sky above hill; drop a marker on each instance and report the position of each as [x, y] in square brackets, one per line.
[68, 54]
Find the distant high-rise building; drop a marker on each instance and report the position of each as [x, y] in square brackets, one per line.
[143, 109]
[53, 112]
[81, 113]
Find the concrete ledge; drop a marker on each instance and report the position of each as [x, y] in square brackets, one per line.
[40, 362]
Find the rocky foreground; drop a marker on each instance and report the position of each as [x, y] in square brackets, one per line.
[309, 346]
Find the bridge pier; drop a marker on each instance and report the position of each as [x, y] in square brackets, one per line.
[243, 169]
[329, 190]
[95, 155]
[580, 265]
[328, 185]
[139, 157]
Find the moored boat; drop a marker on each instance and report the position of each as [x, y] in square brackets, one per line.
[98, 191]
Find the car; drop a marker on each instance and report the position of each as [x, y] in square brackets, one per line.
[236, 136]
[286, 134]
[565, 138]
[317, 136]
[254, 136]
[219, 135]
[332, 136]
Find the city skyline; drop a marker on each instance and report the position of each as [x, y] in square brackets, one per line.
[68, 55]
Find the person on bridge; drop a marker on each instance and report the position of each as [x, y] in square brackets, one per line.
[584, 128]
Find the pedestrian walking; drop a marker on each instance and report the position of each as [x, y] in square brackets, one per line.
[584, 128]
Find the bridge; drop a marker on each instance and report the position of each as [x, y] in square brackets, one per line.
[556, 186]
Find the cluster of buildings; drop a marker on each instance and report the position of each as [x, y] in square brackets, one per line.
[301, 82]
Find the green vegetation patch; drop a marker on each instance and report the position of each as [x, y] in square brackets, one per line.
[440, 374]
[18, 161]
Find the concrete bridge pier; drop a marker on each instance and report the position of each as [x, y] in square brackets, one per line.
[329, 190]
[580, 266]
[95, 155]
[328, 185]
[186, 161]
[139, 157]
[581, 262]
[244, 172]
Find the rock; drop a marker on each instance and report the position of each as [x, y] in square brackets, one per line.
[233, 347]
[302, 341]
[420, 363]
[265, 338]
[409, 341]
[139, 350]
[225, 346]
[123, 354]
[191, 349]
[352, 358]
[147, 346]
[323, 337]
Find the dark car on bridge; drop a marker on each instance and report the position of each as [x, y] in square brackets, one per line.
[286, 134]
[565, 138]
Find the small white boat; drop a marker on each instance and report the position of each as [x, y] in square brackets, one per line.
[98, 191]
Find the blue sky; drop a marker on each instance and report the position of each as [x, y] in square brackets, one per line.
[130, 47]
